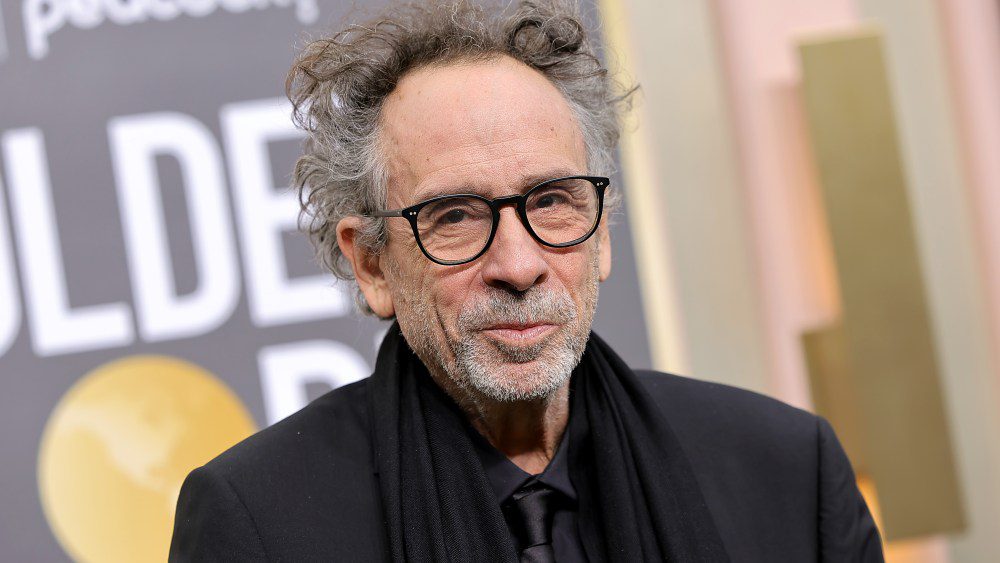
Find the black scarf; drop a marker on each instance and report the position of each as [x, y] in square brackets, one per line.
[438, 503]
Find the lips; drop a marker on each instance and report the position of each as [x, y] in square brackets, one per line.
[519, 333]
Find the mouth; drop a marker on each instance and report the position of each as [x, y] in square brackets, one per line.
[519, 334]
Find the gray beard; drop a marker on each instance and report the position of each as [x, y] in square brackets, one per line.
[488, 369]
[480, 363]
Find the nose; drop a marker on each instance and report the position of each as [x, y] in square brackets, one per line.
[514, 261]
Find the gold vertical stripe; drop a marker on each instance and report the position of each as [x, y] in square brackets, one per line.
[945, 221]
[834, 393]
[887, 327]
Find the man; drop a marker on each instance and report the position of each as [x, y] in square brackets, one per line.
[457, 169]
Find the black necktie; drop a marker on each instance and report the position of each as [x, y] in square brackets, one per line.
[529, 515]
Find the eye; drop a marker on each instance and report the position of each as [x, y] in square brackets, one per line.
[453, 216]
[547, 200]
[454, 212]
[550, 198]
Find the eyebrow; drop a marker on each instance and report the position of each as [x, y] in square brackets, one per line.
[526, 182]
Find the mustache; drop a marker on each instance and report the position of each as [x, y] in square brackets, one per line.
[535, 306]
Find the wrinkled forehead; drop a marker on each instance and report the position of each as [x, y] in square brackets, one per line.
[483, 123]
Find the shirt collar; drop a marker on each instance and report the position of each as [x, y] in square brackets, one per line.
[505, 477]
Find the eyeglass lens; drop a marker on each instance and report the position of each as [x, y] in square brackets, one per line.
[458, 228]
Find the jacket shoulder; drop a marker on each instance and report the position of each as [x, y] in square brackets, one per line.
[756, 459]
[332, 428]
[722, 413]
[742, 430]
[307, 483]
[775, 478]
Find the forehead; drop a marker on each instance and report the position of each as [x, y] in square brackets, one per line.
[485, 124]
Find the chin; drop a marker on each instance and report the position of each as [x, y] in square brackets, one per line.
[508, 382]
[505, 391]
[503, 370]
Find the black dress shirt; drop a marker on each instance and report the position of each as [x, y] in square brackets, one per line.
[505, 477]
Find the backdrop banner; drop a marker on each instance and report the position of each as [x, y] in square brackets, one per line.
[156, 302]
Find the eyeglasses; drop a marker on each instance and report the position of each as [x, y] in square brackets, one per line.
[456, 229]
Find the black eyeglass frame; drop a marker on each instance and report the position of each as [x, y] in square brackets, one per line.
[519, 202]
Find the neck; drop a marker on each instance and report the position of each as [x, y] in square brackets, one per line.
[527, 432]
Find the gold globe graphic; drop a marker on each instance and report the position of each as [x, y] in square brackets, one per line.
[118, 446]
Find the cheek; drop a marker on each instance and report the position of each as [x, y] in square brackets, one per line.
[577, 270]
[451, 288]
[405, 275]
[580, 275]
[430, 295]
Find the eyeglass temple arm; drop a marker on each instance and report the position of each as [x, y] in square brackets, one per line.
[386, 213]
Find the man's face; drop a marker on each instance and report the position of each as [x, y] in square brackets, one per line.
[511, 324]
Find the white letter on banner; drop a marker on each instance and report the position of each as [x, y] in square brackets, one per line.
[306, 11]
[135, 143]
[41, 19]
[55, 327]
[286, 369]
[10, 305]
[85, 14]
[264, 213]
[125, 12]
[235, 6]
[197, 8]
[163, 10]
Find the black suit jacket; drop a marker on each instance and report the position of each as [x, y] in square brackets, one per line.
[775, 479]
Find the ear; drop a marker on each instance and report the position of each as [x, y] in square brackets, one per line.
[366, 268]
[604, 250]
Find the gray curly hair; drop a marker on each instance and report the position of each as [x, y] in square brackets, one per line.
[338, 85]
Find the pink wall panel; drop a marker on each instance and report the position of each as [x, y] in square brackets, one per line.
[972, 33]
[793, 256]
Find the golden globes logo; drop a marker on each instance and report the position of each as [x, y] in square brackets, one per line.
[118, 446]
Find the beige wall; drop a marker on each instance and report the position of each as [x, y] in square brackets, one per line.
[686, 138]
